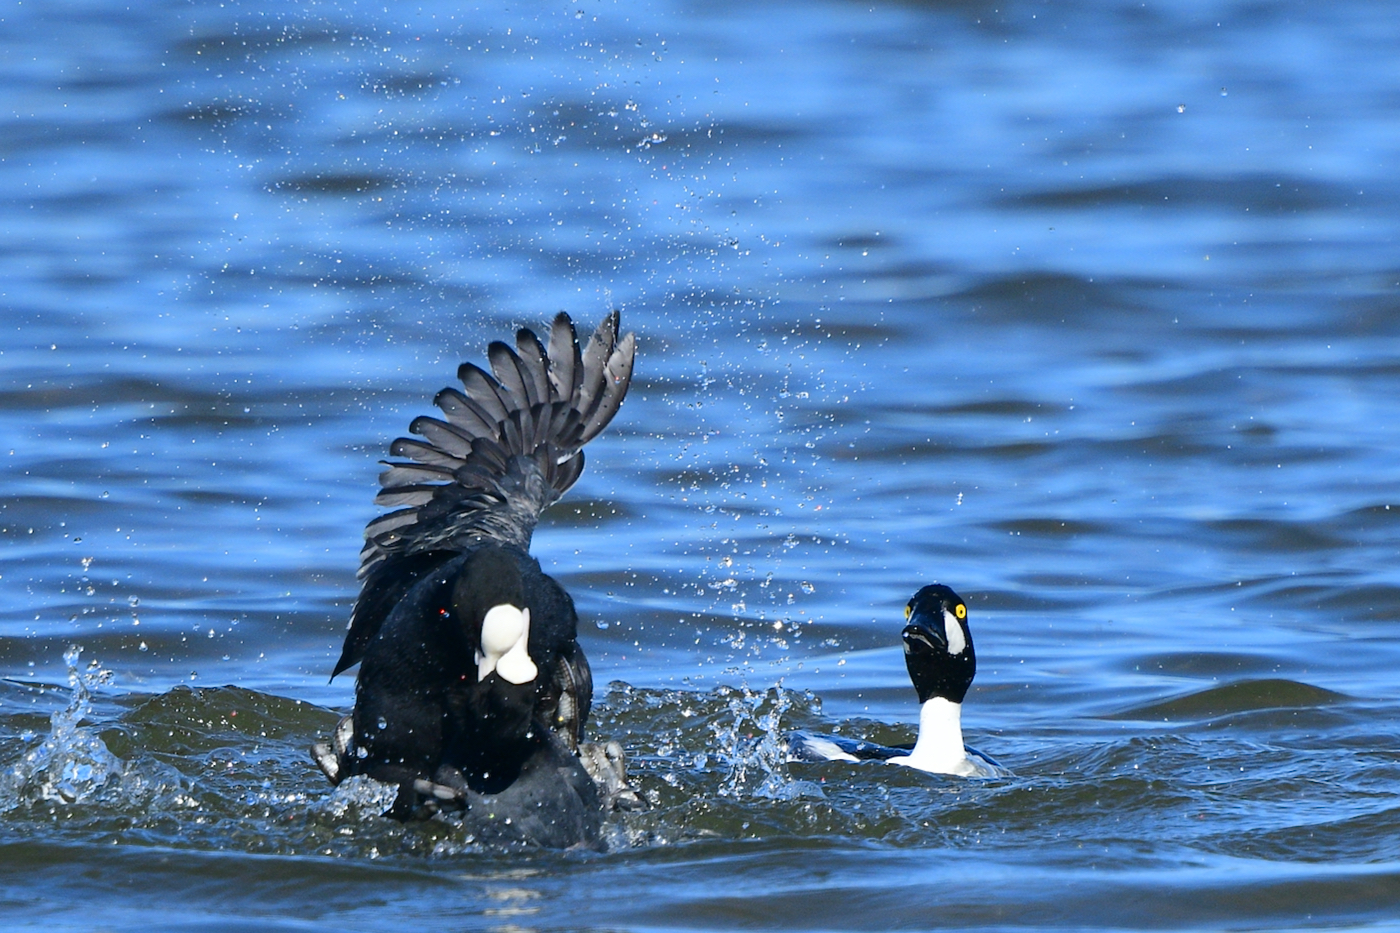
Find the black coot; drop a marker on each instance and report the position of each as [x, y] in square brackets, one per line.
[473, 691]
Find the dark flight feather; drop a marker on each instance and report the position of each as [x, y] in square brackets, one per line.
[509, 448]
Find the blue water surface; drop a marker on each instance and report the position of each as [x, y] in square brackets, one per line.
[1088, 310]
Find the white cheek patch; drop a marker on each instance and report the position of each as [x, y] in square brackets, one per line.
[956, 642]
[505, 635]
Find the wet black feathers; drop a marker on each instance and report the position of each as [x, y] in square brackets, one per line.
[507, 448]
[934, 669]
[418, 702]
[468, 491]
[512, 434]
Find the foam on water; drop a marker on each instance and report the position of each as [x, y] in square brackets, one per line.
[358, 797]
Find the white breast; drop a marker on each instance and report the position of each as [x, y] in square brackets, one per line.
[939, 749]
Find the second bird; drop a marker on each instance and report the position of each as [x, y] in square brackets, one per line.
[941, 661]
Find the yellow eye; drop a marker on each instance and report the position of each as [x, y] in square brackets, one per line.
[961, 611]
[908, 611]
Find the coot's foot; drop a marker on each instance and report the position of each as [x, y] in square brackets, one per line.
[330, 756]
[606, 764]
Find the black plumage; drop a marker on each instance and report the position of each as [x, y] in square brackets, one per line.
[437, 711]
[936, 615]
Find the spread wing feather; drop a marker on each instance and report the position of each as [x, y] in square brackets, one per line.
[509, 447]
[565, 360]
[464, 413]
[485, 390]
[595, 361]
[510, 373]
[535, 365]
[617, 375]
[443, 436]
[422, 453]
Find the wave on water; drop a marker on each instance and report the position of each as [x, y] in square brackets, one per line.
[227, 769]
[360, 797]
[229, 765]
[1239, 697]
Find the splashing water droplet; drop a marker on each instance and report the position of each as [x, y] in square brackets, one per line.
[72, 763]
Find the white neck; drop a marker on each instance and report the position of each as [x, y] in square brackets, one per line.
[939, 748]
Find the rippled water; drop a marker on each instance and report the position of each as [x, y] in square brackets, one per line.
[1088, 310]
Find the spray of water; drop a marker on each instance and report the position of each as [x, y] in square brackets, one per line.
[360, 797]
[71, 764]
[752, 747]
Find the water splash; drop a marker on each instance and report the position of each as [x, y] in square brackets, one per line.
[359, 796]
[751, 746]
[72, 763]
